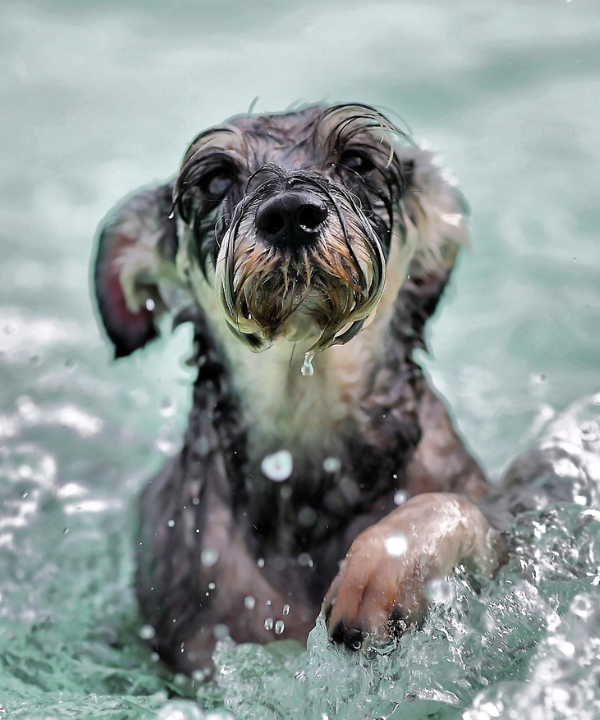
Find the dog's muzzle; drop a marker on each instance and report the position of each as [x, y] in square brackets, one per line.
[299, 260]
[291, 219]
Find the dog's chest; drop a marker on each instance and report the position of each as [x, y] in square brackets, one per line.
[311, 416]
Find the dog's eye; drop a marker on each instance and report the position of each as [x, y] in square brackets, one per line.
[356, 162]
[216, 184]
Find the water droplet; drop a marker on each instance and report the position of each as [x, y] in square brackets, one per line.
[286, 609]
[439, 590]
[537, 378]
[167, 407]
[279, 627]
[171, 523]
[268, 602]
[200, 675]
[305, 560]
[307, 517]
[307, 368]
[220, 631]
[400, 497]
[147, 632]
[171, 214]
[202, 446]
[211, 586]
[278, 466]
[249, 602]
[65, 531]
[209, 557]
[260, 562]
[332, 464]
[396, 545]
[150, 304]
[269, 624]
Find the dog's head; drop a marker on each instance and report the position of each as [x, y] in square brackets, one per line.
[302, 222]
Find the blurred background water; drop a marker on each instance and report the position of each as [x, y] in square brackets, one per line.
[99, 98]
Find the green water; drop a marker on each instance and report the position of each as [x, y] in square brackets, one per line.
[99, 98]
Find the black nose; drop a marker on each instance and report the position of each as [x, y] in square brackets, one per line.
[291, 218]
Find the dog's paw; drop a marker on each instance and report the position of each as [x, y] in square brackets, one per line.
[380, 590]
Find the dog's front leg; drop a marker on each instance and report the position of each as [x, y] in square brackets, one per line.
[198, 581]
[381, 587]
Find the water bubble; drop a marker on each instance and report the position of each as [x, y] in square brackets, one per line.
[537, 378]
[147, 632]
[332, 464]
[171, 523]
[260, 562]
[211, 586]
[305, 560]
[396, 545]
[150, 304]
[286, 609]
[249, 602]
[582, 606]
[279, 627]
[307, 368]
[278, 466]
[209, 557]
[400, 497]
[65, 531]
[439, 590]
[269, 624]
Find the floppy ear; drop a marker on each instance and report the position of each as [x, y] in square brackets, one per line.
[137, 243]
[436, 216]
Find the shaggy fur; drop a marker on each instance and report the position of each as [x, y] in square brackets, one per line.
[324, 238]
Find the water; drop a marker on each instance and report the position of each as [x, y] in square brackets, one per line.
[100, 98]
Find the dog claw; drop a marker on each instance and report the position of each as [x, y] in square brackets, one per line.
[379, 593]
[351, 637]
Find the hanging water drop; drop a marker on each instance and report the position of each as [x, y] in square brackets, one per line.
[307, 366]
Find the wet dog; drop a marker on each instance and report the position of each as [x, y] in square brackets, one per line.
[319, 471]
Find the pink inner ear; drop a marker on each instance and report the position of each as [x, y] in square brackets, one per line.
[121, 316]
